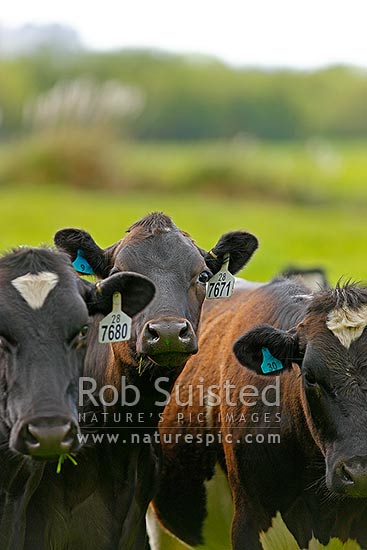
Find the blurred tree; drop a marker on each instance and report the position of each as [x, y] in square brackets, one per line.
[16, 84]
[188, 98]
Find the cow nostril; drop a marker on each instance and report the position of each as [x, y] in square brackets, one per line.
[30, 438]
[153, 332]
[345, 475]
[69, 436]
[184, 331]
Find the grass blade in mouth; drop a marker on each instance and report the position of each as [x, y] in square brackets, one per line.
[62, 459]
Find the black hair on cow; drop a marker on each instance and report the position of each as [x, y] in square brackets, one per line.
[282, 345]
[238, 244]
[33, 260]
[155, 222]
[350, 295]
[137, 292]
[71, 240]
[241, 246]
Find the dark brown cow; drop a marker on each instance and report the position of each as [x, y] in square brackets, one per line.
[163, 338]
[306, 455]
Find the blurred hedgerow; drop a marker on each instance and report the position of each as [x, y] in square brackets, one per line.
[75, 158]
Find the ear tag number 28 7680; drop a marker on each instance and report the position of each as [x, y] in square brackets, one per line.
[221, 285]
[116, 326]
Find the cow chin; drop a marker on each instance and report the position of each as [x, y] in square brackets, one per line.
[171, 360]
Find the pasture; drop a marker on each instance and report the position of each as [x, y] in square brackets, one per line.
[332, 236]
[330, 233]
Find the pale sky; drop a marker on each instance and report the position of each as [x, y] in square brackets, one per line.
[292, 33]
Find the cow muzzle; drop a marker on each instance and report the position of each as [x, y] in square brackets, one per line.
[47, 437]
[169, 341]
[349, 477]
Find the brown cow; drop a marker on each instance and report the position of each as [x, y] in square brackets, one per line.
[292, 440]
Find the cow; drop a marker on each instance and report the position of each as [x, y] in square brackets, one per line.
[163, 338]
[314, 278]
[297, 444]
[45, 314]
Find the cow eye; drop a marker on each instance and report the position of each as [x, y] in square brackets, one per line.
[80, 336]
[83, 332]
[310, 379]
[204, 277]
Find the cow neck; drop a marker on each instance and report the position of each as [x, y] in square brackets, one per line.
[107, 364]
[144, 376]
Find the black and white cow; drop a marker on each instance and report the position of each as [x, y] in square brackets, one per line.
[44, 319]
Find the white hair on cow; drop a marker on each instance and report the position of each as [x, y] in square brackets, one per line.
[347, 324]
[35, 287]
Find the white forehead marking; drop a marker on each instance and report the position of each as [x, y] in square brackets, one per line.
[35, 287]
[347, 324]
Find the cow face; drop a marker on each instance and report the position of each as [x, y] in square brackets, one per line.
[330, 347]
[165, 333]
[44, 319]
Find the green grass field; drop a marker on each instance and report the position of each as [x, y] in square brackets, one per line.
[303, 212]
[330, 236]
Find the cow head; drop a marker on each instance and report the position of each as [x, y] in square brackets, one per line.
[330, 348]
[165, 333]
[44, 319]
[314, 279]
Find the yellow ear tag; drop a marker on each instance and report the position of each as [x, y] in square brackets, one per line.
[116, 326]
[221, 285]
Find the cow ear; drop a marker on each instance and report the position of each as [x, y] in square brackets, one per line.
[86, 255]
[238, 244]
[268, 350]
[136, 291]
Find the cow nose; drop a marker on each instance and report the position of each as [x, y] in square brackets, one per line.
[166, 337]
[351, 476]
[168, 331]
[48, 438]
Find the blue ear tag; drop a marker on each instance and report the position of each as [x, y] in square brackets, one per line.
[270, 363]
[81, 265]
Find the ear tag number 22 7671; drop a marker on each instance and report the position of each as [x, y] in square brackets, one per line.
[116, 326]
[221, 285]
